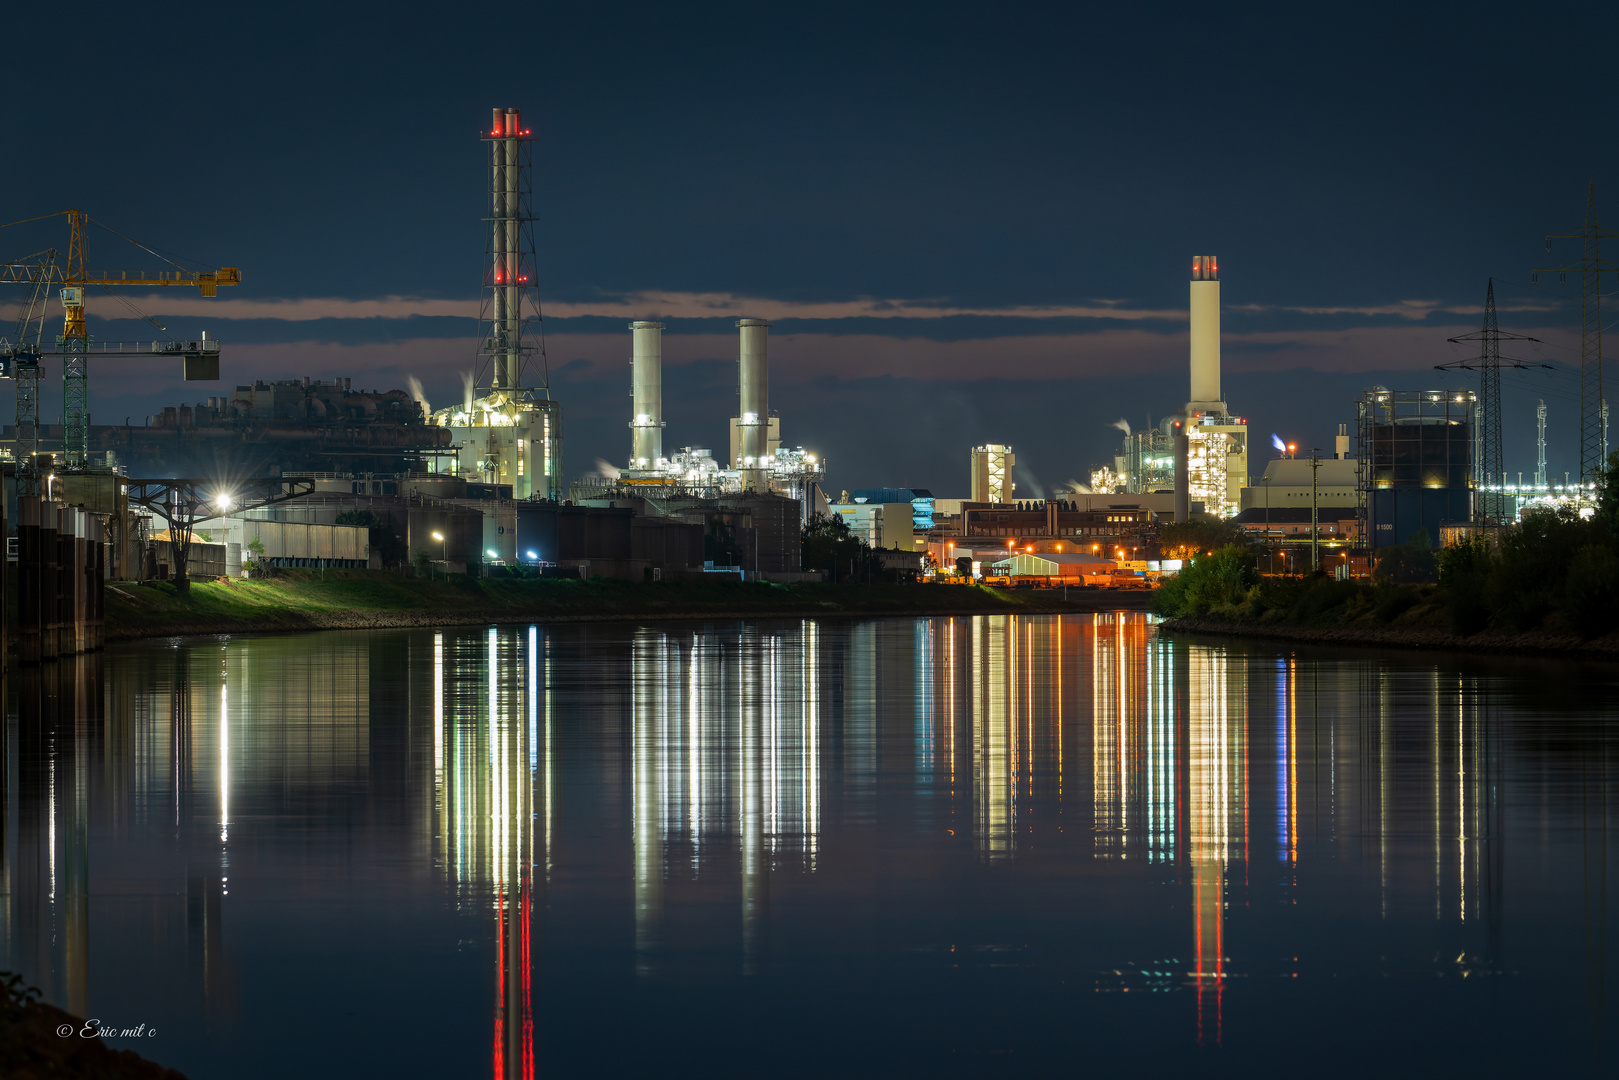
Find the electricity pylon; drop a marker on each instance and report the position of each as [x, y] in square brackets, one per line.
[1590, 266]
[1489, 506]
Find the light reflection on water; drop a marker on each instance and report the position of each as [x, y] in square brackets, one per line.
[990, 843]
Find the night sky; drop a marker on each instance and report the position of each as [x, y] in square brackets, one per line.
[967, 223]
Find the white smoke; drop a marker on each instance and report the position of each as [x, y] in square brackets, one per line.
[606, 469]
[1077, 488]
[466, 390]
[1027, 481]
[1122, 424]
[415, 386]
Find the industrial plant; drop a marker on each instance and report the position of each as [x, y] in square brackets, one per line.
[316, 472]
[757, 463]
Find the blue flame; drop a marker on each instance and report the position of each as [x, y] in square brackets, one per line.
[1276, 441]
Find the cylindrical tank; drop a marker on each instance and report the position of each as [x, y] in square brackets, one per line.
[646, 382]
[1205, 332]
[753, 418]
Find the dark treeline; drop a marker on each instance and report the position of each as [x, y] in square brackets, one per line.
[1554, 571]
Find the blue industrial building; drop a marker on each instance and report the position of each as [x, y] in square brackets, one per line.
[921, 501]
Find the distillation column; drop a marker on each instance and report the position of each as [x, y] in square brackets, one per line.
[1205, 397]
[646, 378]
[753, 421]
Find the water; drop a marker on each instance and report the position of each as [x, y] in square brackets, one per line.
[961, 846]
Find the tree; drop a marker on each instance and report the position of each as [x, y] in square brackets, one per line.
[1185, 539]
[829, 545]
[382, 537]
[1607, 510]
[255, 552]
[1409, 562]
[1210, 581]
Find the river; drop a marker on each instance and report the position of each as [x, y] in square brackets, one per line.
[958, 846]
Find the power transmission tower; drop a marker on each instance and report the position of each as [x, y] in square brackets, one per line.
[1489, 504]
[1590, 266]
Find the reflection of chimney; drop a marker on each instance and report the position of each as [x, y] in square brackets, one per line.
[753, 416]
[646, 378]
[1205, 337]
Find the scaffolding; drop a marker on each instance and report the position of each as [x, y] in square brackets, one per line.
[1414, 461]
[1208, 452]
[1149, 461]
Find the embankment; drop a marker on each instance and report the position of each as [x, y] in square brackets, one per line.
[358, 599]
[1397, 635]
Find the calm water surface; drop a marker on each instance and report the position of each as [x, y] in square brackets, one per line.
[987, 845]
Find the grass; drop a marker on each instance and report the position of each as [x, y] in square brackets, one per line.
[309, 599]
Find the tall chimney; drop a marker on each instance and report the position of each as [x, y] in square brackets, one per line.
[646, 381]
[753, 418]
[1205, 396]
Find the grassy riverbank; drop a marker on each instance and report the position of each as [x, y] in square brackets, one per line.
[361, 599]
[1325, 611]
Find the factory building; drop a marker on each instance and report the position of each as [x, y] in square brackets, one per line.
[920, 500]
[1416, 462]
[1124, 530]
[1287, 482]
[992, 473]
[883, 525]
[287, 426]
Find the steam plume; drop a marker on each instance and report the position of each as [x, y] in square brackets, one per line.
[1122, 424]
[415, 386]
[466, 390]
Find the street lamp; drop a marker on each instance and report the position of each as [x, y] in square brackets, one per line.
[442, 557]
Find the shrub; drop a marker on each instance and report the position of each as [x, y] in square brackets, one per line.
[1322, 594]
[1217, 580]
[1407, 563]
[1464, 574]
[1592, 590]
[1391, 601]
[1529, 578]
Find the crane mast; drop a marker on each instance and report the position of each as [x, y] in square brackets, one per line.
[74, 343]
[22, 360]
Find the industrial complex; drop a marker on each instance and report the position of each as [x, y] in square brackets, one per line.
[318, 472]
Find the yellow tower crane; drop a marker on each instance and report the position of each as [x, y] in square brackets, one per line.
[200, 358]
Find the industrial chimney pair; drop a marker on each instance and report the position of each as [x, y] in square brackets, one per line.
[753, 385]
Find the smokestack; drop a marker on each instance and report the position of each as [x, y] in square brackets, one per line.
[646, 380]
[1205, 396]
[753, 420]
[505, 283]
[1183, 474]
[1343, 442]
